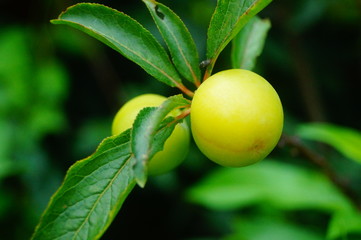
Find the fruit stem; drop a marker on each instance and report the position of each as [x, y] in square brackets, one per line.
[184, 114]
[209, 69]
[197, 83]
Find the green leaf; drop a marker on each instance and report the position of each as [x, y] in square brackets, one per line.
[147, 128]
[227, 20]
[265, 227]
[346, 140]
[124, 35]
[276, 184]
[344, 222]
[95, 188]
[248, 43]
[180, 42]
[92, 193]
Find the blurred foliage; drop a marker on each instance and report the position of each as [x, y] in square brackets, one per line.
[273, 186]
[59, 90]
[32, 92]
[345, 140]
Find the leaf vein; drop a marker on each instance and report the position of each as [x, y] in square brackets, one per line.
[99, 198]
[238, 19]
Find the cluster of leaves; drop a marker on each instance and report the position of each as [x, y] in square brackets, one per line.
[95, 188]
[284, 187]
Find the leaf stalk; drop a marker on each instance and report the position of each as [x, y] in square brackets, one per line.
[185, 90]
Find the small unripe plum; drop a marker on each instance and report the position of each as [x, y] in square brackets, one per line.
[176, 146]
[236, 118]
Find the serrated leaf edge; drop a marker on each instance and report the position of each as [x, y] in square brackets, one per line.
[231, 32]
[56, 195]
[59, 21]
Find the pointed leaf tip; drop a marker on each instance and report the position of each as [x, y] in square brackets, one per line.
[92, 193]
[228, 19]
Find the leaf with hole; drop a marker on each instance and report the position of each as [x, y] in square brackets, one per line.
[178, 39]
[228, 19]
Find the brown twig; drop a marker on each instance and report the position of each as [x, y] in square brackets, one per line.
[323, 164]
[306, 80]
[184, 114]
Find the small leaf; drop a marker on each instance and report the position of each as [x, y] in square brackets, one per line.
[124, 35]
[227, 20]
[180, 42]
[147, 127]
[92, 193]
[248, 43]
[344, 222]
[346, 140]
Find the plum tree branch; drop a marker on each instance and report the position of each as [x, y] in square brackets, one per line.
[319, 160]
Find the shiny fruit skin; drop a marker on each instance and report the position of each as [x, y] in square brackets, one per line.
[236, 118]
[176, 146]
